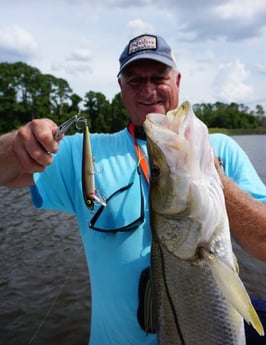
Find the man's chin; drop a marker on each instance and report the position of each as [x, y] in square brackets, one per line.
[159, 109]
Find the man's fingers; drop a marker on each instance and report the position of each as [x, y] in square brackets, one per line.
[35, 144]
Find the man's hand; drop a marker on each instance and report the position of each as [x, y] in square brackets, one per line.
[33, 145]
[25, 151]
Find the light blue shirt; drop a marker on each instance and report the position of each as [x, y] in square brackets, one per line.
[116, 260]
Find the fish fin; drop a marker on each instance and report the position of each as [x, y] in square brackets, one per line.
[236, 264]
[234, 291]
[145, 309]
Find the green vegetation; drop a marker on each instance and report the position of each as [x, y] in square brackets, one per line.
[229, 117]
[26, 93]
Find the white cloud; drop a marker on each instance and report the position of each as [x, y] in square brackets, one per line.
[71, 68]
[244, 9]
[138, 26]
[229, 19]
[16, 42]
[230, 83]
[81, 54]
[260, 68]
[81, 40]
[110, 3]
[78, 64]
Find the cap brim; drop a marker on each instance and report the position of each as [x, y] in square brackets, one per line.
[147, 56]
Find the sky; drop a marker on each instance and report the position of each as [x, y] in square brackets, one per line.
[219, 45]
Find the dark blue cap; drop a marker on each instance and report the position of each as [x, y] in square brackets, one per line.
[147, 47]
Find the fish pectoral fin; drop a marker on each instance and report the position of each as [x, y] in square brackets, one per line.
[236, 264]
[234, 291]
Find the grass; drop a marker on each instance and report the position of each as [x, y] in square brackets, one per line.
[240, 131]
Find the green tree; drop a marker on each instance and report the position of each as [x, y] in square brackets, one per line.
[231, 116]
[56, 92]
[119, 114]
[17, 84]
[98, 112]
[74, 107]
[260, 114]
[26, 93]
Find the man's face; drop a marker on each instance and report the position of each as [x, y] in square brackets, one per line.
[148, 86]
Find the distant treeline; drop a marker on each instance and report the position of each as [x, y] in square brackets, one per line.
[26, 93]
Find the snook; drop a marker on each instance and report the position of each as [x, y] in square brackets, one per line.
[198, 296]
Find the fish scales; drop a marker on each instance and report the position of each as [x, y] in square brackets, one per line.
[198, 298]
[192, 309]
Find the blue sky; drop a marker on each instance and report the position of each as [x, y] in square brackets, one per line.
[220, 45]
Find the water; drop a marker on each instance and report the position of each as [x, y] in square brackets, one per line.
[41, 258]
[43, 269]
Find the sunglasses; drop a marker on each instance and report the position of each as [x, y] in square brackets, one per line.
[124, 210]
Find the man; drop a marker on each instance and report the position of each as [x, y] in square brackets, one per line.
[116, 238]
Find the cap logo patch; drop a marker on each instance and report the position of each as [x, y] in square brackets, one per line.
[145, 42]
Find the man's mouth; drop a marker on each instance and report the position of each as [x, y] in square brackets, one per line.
[150, 103]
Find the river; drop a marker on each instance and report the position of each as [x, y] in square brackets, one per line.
[44, 286]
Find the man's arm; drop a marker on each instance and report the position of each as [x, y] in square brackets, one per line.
[25, 151]
[247, 218]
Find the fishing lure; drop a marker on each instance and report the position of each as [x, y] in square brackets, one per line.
[90, 193]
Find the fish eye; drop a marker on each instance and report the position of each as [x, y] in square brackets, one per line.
[155, 171]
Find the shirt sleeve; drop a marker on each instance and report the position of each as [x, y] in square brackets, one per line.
[56, 187]
[238, 166]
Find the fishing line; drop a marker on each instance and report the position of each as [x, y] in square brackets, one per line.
[55, 299]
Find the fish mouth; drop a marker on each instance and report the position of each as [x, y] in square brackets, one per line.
[159, 132]
[154, 123]
[174, 121]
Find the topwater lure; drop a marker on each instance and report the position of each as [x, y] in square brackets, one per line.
[90, 193]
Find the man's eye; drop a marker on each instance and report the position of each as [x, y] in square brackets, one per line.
[134, 81]
[158, 79]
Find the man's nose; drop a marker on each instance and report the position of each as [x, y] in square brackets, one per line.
[148, 88]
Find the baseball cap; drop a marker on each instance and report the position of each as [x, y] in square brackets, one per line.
[147, 46]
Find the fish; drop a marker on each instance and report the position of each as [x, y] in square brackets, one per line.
[197, 295]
